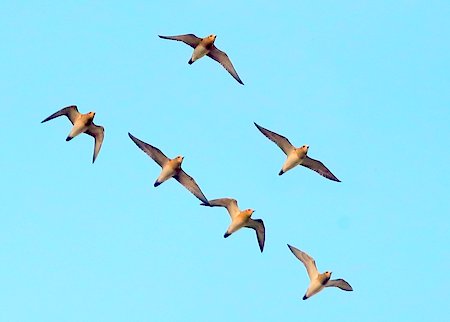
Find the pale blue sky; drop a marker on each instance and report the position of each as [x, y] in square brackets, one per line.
[365, 84]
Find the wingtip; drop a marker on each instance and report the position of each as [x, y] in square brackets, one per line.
[226, 235]
[190, 61]
[205, 203]
[305, 297]
[156, 184]
[68, 138]
[281, 172]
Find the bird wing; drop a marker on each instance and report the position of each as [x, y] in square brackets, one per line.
[342, 284]
[229, 203]
[258, 226]
[189, 183]
[151, 151]
[70, 111]
[98, 133]
[307, 260]
[222, 58]
[319, 167]
[189, 39]
[279, 140]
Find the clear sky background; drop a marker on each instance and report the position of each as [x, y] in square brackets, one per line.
[365, 84]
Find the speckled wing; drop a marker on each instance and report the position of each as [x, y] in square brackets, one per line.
[307, 260]
[151, 151]
[98, 133]
[189, 183]
[70, 111]
[223, 59]
[189, 39]
[282, 142]
[342, 284]
[319, 167]
[258, 226]
[229, 203]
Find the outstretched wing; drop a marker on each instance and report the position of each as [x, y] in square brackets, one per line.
[229, 203]
[70, 111]
[258, 226]
[319, 167]
[342, 284]
[189, 39]
[98, 132]
[307, 260]
[279, 140]
[222, 58]
[189, 183]
[151, 151]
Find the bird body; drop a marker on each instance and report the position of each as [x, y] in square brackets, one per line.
[203, 48]
[170, 169]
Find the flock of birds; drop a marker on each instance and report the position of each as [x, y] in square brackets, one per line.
[171, 168]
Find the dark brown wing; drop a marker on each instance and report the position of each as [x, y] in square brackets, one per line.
[70, 111]
[258, 226]
[189, 183]
[319, 167]
[98, 132]
[282, 142]
[151, 151]
[223, 59]
[189, 39]
[342, 284]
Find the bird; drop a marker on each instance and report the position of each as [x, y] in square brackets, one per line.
[317, 281]
[82, 123]
[240, 219]
[205, 46]
[171, 168]
[296, 156]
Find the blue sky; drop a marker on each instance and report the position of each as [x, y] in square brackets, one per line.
[364, 84]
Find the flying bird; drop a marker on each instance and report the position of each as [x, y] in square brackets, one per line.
[296, 156]
[317, 281]
[82, 123]
[240, 219]
[205, 46]
[171, 168]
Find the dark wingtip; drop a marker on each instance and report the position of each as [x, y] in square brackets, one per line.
[281, 172]
[68, 138]
[156, 184]
[226, 235]
[304, 297]
[190, 61]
